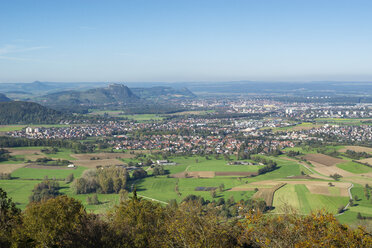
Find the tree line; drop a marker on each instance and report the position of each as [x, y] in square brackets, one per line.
[135, 222]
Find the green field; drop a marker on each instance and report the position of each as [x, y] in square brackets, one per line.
[362, 206]
[19, 190]
[198, 163]
[354, 167]
[33, 173]
[16, 159]
[300, 198]
[163, 188]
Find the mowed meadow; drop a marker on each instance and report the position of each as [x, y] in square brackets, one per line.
[296, 184]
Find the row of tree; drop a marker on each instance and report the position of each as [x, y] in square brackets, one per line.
[270, 165]
[4, 155]
[357, 155]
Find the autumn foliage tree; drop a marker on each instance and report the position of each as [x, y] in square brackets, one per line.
[135, 222]
[319, 229]
[10, 217]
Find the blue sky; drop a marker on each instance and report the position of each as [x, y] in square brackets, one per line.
[187, 40]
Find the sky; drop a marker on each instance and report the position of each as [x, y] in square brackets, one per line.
[185, 40]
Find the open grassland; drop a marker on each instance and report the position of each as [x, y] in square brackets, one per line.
[92, 164]
[36, 173]
[187, 186]
[285, 169]
[107, 201]
[164, 189]
[362, 206]
[354, 167]
[298, 196]
[19, 190]
[160, 188]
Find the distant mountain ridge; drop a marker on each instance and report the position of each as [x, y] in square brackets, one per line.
[17, 112]
[114, 93]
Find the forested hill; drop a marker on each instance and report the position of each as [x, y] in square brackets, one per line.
[17, 112]
[114, 93]
[4, 98]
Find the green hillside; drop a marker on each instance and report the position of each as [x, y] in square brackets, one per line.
[114, 93]
[18, 112]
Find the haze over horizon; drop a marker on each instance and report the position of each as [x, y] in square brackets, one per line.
[175, 41]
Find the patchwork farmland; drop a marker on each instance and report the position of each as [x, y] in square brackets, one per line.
[295, 184]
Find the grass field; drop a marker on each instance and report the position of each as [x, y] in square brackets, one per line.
[198, 163]
[354, 167]
[286, 169]
[19, 190]
[362, 206]
[162, 188]
[300, 198]
[32, 173]
[63, 153]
